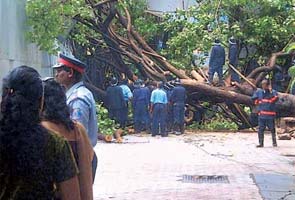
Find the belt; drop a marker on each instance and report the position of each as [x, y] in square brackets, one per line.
[270, 113]
[159, 104]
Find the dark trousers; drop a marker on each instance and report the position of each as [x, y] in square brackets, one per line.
[169, 118]
[159, 119]
[119, 116]
[213, 70]
[94, 166]
[178, 116]
[140, 114]
[124, 116]
[234, 75]
[270, 124]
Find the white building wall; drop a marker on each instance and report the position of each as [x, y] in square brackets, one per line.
[169, 5]
[14, 49]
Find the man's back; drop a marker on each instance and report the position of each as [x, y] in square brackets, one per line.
[178, 95]
[159, 96]
[141, 95]
[233, 54]
[82, 108]
[115, 97]
[217, 56]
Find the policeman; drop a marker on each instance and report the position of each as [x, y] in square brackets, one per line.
[233, 58]
[178, 97]
[265, 99]
[216, 62]
[69, 72]
[159, 109]
[140, 106]
[116, 103]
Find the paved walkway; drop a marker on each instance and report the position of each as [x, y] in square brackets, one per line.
[146, 168]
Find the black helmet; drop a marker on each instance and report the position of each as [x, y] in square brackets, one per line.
[217, 40]
[232, 40]
[137, 83]
[114, 81]
[177, 81]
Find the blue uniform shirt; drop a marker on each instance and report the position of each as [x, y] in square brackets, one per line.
[126, 92]
[159, 96]
[217, 56]
[141, 95]
[82, 108]
[115, 98]
[178, 95]
[233, 54]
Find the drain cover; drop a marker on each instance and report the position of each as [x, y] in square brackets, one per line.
[204, 179]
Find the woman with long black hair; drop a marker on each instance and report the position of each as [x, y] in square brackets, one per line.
[34, 163]
[56, 117]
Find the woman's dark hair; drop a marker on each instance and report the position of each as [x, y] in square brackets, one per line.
[22, 139]
[55, 106]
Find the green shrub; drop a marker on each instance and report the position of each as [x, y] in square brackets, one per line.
[217, 123]
[106, 125]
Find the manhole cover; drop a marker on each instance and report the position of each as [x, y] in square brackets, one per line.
[204, 179]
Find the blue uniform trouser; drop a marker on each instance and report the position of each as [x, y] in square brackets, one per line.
[213, 70]
[270, 124]
[124, 115]
[140, 116]
[119, 116]
[178, 115]
[159, 119]
[169, 118]
[234, 75]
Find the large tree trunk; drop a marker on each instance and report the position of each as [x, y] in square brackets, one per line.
[133, 47]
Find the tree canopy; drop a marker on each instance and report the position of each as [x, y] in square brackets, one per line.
[263, 24]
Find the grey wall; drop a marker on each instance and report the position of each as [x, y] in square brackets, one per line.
[14, 49]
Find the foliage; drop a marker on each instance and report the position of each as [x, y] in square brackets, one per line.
[106, 125]
[291, 71]
[266, 25]
[146, 25]
[218, 122]
[52, 22]
[289, 48]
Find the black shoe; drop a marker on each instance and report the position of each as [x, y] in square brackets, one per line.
[259, 146]
[275, 145]
[164, 135]
[153, 135]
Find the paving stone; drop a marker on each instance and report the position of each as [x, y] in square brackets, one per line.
[146, 168]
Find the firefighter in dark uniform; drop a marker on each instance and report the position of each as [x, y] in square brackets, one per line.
[169, 119]
[140, 102]
[265, 99]
[178, 97]
[216, 62]
[233, 57]
[116, 103]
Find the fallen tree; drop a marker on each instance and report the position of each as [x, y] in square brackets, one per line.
[113, 23]
[154, 66]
